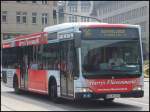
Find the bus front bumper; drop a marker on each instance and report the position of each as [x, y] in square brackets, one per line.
[88, 95]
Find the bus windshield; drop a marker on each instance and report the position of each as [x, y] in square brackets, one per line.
[111, 58]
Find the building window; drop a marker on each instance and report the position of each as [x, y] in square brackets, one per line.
[109, 8]
[18, 17]
[4, 16]
[130, 15]
[84, 19]
[143, 11]
[75, 18]
[24, 17]
[69, 18]
[134, 13]
[44, 1]
[73, 8]
[44, 18]
[55, 3]
[21, 17]
[99, 12]
[72, 18]
[84, 9]
[85, 6]
[34, 16]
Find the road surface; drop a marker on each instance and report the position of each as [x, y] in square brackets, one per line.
[35, 102]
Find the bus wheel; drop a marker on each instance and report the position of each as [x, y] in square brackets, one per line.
[53, 91]
[16, 85]
[108, 100]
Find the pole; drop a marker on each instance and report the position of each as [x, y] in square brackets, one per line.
[78, 15]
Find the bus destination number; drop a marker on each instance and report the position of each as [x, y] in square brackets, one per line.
[65, 36]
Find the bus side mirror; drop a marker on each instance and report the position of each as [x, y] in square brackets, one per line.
[77, 40]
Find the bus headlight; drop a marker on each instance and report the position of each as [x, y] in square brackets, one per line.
[83, 89]
[137, 88]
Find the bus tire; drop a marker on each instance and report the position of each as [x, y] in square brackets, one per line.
[16, 85]
[108, 100]
[53, 91]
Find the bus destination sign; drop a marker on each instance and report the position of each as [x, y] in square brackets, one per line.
[91, 33]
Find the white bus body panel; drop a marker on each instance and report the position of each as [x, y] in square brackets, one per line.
[9, 77]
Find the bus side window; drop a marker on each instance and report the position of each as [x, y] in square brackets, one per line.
[10, 58]
[48, 56]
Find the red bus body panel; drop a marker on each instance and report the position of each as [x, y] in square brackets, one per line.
[37, 79]
[26, 40]
[6, 45]
[113, 85]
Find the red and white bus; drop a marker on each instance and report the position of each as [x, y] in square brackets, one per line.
[77, 61]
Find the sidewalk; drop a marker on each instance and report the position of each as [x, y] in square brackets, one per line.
[5, 108]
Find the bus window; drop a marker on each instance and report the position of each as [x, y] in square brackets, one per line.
[98, 57]
[48, 56]
[10, 58]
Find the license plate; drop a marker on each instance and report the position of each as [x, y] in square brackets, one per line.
[113, 96]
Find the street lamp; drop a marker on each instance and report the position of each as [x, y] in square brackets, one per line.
[61, 5]
[58, 12]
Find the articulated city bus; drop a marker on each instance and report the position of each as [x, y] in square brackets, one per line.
[76, 61]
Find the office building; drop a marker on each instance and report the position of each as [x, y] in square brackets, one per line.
[25, 17]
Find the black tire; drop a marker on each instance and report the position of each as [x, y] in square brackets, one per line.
[109, 100]
[16, 86]
[53, 91]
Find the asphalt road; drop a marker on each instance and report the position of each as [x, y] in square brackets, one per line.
[35, 102]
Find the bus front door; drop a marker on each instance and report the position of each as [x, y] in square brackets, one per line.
[66, 76]
[23, 70]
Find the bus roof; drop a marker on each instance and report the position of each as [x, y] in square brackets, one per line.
[64, 26]
[41, 37]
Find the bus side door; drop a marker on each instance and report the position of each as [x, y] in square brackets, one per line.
[67, 60]
[24, 69]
